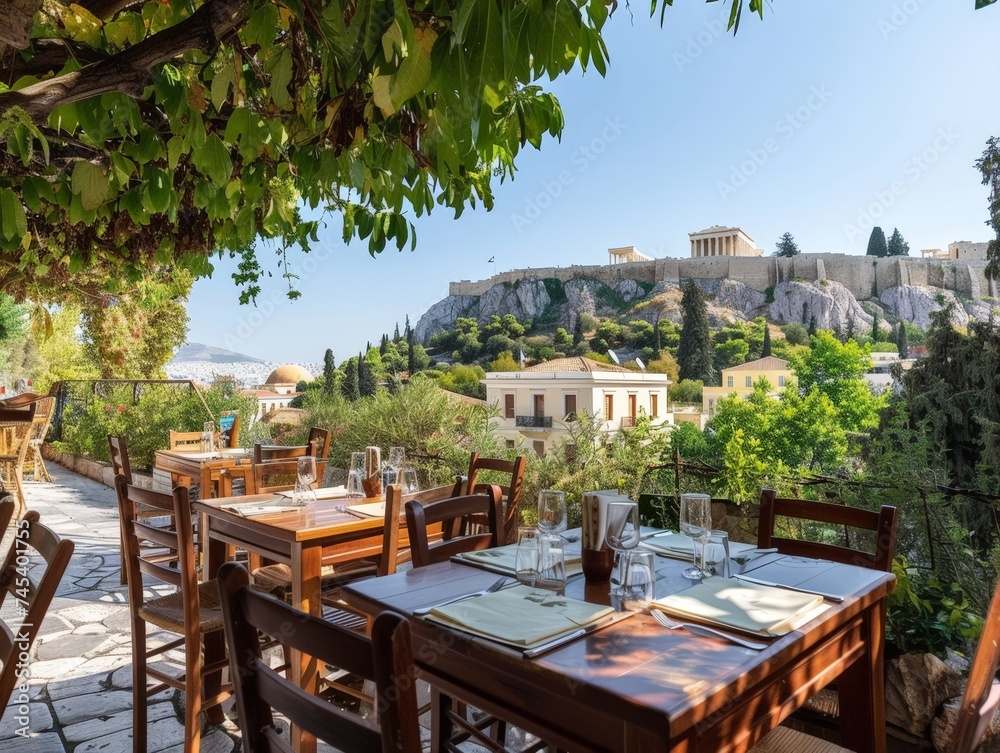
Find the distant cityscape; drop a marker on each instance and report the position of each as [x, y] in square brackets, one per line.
[204, 364]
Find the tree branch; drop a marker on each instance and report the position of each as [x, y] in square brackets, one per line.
[50, 55]
[128, 71]
[16, 28]
[103, 9]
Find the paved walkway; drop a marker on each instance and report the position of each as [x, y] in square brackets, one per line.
[81, 665]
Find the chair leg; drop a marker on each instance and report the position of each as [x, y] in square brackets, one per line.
[215, 648]
[192, 694]
[138, 685]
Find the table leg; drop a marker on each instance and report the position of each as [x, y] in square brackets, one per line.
[862, 689]
[215, 646]
[306, 589]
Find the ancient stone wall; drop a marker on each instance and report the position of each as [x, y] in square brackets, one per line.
[857, 273]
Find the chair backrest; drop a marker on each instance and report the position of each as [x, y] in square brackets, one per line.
[171, 559]
[32, 591]
[320, 441]
[43, 418]
[395, 500]
[259, 689]
[420, 516]
[982, 693]
[119, 457]
[882, 523]
[511, 492]
[185, 441]
[264, 453]
[279, 475]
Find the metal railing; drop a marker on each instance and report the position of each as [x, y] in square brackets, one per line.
[533, 422]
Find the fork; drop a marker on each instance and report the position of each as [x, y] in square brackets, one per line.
[492, 589]
[670, 624]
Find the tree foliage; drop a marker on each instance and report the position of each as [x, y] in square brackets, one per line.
[786, 246]
[897, 246]
[695, 354]
[989, 166]
[876, 243]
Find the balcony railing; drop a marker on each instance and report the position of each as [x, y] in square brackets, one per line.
[627, 422]
[533, 422]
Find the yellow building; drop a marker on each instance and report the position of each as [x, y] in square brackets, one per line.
[741, 379]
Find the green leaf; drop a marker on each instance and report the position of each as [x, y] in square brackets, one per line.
[90, 183]
[415, 70]
[213, 159]
[220, 86]
[13, 222]
[159, 189]
[262, 26]
[281, 77]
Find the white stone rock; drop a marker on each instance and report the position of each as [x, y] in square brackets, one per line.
[443, 315]
[916, 304]
[526, 300]
[829, 302]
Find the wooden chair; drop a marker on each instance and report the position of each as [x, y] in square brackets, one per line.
[511, 493]
[386, 659]
[982, 693]
[30, 590]
[320, 441]
[120, 463]
[824, 707]
[882, 523]
[449, 512]
[265, 453]
[39, 428]
[15, 430]
[186, 441]
[193, 611]
[274, 476]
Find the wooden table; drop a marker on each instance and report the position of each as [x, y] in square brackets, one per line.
[635, 686]
[304, 539]
[206, 469]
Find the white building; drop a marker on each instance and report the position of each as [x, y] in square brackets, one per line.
[722, 241]
[879, 378]
[278, 390]
[536, 403]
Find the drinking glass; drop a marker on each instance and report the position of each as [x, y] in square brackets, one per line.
[552, 517]
[305, 477]
[637, 582]
[696, 524]
[356, 475]
[397, 458]
[717, 560]
[410, 485]
[622, 535]
[551, 563]
[388, 476]
[526, 559]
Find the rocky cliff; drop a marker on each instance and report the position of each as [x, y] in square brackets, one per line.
[833, 305]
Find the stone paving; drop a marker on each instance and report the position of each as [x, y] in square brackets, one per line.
[81, 665]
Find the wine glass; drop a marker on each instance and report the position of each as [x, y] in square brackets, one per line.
[305, 477]
[696, 524]
[552, 517]
[622, 535]
[356, 475]
[397, 458]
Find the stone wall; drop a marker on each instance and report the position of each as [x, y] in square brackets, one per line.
[857, 273]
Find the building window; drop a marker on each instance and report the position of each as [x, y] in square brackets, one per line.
[539, 403]
[781, 381]
[508, 406]
[729, 381]
[749, 381]
[510, 444]
[609, 407]
[654, 406]
[632, 405]
[570, 407]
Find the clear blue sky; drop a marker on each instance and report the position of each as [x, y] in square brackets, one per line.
[812, 121]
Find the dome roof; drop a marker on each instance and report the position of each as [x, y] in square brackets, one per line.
[290, 373]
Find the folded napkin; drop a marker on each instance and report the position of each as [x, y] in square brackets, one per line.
[762, 610]
[328, 492]
[520, 616]
[680, 547]
[503, 559]
[249, 510]
[369, 509]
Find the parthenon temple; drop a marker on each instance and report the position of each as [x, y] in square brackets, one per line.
[722, 241]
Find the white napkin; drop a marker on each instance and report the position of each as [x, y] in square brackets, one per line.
[503, 559]
[328, 492]
[371, 509]
[249, 510]
[679, 547]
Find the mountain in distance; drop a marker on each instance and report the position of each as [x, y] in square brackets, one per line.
[211, 354]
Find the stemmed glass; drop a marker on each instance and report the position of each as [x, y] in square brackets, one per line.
[552, 516]
[305, 477]
[696, 524]
[355, 475]
[622, 535]
[397, 459]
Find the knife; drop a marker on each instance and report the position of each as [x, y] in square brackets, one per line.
[800, 589]
[556, 642]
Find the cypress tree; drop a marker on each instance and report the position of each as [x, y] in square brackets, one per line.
[395, 336]
[767, 342]
[876, 243]
[328, 368]
[850, 329]
[383, 346]
[812, 325]
[901, 341]
[366, 379]
[695, 353]
[897, 246]
[349, 387]
[411, 363]
[875, 328]
[578, 331]
[406, 329]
